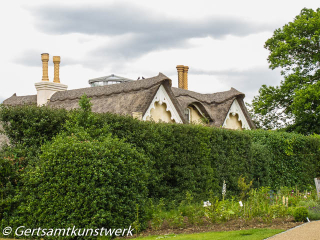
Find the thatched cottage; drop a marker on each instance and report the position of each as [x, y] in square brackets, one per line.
[146, 99]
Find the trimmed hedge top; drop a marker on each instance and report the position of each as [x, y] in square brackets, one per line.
[184, 157]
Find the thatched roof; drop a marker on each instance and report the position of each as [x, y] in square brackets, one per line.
[123, 98]
[215, 106]
[15, 100]
[136, 96]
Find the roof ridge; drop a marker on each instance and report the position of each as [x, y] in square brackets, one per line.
[201, 96]
[122, 88]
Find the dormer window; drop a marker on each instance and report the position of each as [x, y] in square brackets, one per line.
[187, 114]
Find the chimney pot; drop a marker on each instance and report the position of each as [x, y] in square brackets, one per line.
[185, 77]
[180, 69]
[45, 60]
[56, 62]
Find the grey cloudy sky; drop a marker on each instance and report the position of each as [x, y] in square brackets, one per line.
[221, 42]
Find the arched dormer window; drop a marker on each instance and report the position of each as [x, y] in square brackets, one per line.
[194, 115]
[187, 113]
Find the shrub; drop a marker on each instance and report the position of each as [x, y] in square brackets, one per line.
[83, 182]
[314, 212]
[13, 162]
[186, 157]
[300, 214]
[31, 125]
[261, 158]
[295, 159]
[182, 157]
[8, 177]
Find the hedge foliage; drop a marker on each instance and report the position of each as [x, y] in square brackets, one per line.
[31, 125]
[285, 159]
[184, 157]
[300, 214]
[83, 182]
[93, 170]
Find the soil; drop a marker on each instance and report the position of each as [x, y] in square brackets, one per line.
[232, 225]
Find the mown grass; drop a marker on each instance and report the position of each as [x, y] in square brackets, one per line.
[251, 234]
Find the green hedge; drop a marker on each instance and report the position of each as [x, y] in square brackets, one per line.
[83, 182]
[291, 159]
[185, 157]
[31, 125]
[93, 170]
[260, 165]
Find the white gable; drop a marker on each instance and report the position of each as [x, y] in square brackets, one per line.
[236, 109]
[163, 97]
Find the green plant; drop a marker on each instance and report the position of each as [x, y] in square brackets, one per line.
[8, 181]
[136, 224]
[313, 207]
[300, 214]
[244, 187]
[194, 212]
[175, 219]
[84, 182]
[156, 213]
[260, 165]
[314, 212]
[293, 158]
[31, 126]
[212, 212]
[181, 158]
[226, 212]
[294, 49]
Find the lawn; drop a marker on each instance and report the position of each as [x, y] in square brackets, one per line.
[251, 234]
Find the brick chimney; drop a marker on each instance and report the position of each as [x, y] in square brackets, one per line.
[45, 60]
[185, 77]
[46, 89]
[182, 76]
[56, 62]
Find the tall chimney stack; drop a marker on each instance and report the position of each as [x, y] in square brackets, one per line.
[185, 77]
[56, 62]
[45, 60]
[180, 69]
[46, 89]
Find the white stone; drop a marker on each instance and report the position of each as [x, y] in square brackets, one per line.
[46, 89]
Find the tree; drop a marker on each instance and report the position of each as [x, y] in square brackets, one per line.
[295, 104]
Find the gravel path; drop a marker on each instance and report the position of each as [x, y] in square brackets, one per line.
[307, 231]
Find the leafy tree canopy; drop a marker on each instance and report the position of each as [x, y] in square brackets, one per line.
[295, 104]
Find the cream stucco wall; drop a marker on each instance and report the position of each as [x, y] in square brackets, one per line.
[195, 116]
[233, 123]
[159, 113]
[46, 89]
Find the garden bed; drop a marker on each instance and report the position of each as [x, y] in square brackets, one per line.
[232, 225]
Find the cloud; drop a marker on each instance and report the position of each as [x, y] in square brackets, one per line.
[119, 19]
[247, 81]
[32, 58]
[140, 31]
[29, 58]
